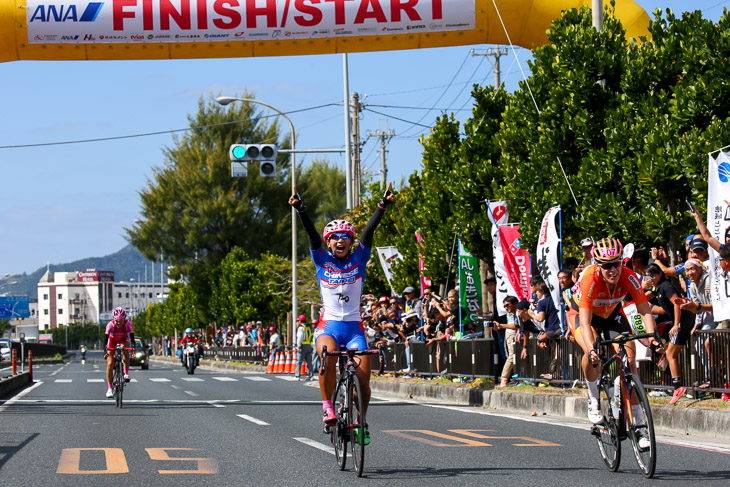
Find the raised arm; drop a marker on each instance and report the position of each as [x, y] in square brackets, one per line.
[367, 234]
[711, 241]
[315, 241]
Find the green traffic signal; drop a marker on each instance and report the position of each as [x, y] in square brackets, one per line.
[239, 152]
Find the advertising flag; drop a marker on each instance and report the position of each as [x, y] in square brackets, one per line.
[425, 281]
[516, 260]
[388, 256]
[548, 254]
[499, 215]
[470, 285]
[718, 220]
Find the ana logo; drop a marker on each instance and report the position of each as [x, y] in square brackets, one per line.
[66, 13]
[723, 172]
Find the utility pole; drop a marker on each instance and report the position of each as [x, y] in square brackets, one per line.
[497, 53]
[356, 175]
[384, 136]
[597, 11]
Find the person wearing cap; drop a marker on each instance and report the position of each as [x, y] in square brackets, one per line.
[412, 301]
[679, 326]
[303, 344]
[509, 322]
[455, 311]
[701, 306]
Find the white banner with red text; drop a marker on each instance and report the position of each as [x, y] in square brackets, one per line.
[548, 254]
[718, 220]
[174, 21]
[499, 215]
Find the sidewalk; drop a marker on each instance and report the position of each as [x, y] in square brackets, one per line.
[705, 422]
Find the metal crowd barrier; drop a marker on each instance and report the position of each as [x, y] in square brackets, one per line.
[704, 359]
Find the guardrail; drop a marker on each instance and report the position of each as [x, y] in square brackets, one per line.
[704, 359]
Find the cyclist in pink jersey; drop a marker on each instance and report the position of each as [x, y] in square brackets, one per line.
[119, 331]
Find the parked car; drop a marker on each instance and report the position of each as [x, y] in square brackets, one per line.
[5, 350]
[141, 355]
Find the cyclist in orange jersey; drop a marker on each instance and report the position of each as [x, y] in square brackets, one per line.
[602, 288]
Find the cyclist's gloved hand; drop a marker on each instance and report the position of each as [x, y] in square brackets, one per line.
[296, 201]
[388, 197]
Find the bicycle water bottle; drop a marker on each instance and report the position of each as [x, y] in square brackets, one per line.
[616, 404]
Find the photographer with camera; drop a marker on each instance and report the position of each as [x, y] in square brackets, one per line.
[454, 312]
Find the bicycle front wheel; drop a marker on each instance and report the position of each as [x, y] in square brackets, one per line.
[119, 385]
[641, 428]
[357, 424]
[607, 434]
[339, 430]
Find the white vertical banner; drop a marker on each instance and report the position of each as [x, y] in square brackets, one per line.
[547, 257]
[388, 256]
[499, 215]
[718, 220]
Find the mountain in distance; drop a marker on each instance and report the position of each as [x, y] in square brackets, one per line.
[125, 263]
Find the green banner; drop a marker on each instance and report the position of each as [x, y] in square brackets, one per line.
[470, 285]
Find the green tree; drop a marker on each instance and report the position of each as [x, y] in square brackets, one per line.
[240, 291]
[195, 213]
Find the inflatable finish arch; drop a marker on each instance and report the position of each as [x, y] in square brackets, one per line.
[186, 29]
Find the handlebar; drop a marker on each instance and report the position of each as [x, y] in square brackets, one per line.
[350, 352]
[623, 338]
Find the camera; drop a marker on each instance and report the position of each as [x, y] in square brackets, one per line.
[490, 324]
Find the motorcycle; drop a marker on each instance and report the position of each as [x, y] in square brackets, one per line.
[190, 357]
[83, 352]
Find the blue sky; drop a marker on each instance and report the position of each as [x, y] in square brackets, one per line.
[66, 202]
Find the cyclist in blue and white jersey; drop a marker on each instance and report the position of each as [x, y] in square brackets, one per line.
[341, 273]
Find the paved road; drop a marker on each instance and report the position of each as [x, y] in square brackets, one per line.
[225, 428]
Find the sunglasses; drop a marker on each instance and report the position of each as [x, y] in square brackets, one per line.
[610, 265]
[339, 236]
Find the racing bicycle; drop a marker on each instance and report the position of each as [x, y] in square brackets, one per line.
[622, 419]
[348, 404]
[118, 374]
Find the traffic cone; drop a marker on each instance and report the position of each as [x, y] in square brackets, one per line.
[294, 359]
[272, 361]
[289, 369]
[303, 370]
[280, 359]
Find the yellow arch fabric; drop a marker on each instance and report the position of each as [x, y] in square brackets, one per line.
[525, 20]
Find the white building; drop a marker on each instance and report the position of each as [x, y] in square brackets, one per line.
[90, 296]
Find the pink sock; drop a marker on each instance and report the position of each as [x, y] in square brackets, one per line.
[126, 371]
[327, 405]
[110, 385]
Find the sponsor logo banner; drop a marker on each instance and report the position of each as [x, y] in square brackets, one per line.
[516, 260]
[116, 21]
[470, 285]
[718, 220]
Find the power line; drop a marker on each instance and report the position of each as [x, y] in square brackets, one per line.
[161, 132]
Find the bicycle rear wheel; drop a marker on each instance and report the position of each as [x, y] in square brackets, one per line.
[607, 434]
[357, 424]
[645, 457]
[338, 431]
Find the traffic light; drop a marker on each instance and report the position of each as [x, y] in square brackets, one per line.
[264, 153]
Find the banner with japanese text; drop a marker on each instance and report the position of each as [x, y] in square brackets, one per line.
[548, 254]
[470, 285]
[499, 215]
[516, 260]
[718, 220]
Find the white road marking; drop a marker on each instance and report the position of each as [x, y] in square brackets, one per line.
[286, 377]
[252, 419]
[57, 371]
[63, 381]
[159, 379]
[192, 379]
[16, 398]
[258, 379]
[95, 380]
[191, 393]
[315, 444]
[216, 405]
[174, 386]
[225, 379]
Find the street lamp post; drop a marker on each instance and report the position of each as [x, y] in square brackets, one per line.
[225, 100]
